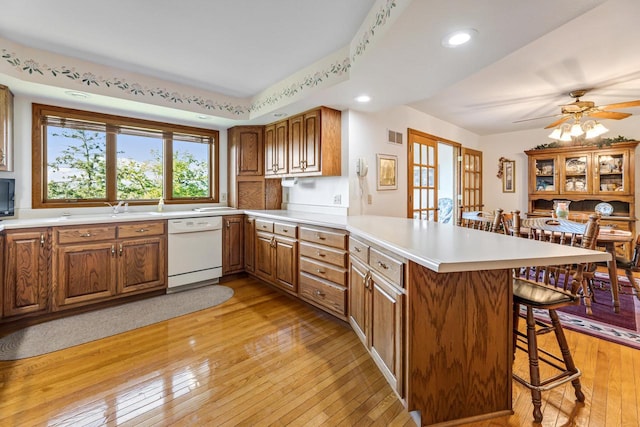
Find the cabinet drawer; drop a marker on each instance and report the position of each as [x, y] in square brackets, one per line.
[140, 229]
[323, 253]
[323, 293]
[333, 274]
[262, 225]
[616, 225]
[387, 266]
[285, 229]
[359, 250]
[85, 234]
[324, 237]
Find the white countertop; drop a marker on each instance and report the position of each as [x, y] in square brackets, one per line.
[445, 247]
[439, 247]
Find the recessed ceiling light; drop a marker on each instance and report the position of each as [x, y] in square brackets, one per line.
[458, 38]
[203, 117]
[279, 114]
[363, 98]
[77, 94]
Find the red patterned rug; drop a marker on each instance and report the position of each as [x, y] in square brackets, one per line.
[622, 328]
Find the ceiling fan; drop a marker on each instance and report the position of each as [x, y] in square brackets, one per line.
[579, 109]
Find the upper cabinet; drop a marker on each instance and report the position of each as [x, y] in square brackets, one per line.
[246, 150]
[308, 144]
[6, 129]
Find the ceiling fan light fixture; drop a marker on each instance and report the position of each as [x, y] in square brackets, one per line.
[576, 129]
[556, 134]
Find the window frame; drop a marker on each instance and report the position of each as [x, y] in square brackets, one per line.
[39, 157]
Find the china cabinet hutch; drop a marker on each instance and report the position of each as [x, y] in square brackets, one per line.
[590, 179]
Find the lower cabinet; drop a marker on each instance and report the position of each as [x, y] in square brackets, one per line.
[376, 308]
[26, 272]
[276, 254]
[232, 244]
[249, 244]
[96, 263]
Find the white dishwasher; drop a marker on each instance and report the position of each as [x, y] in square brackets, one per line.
[194, 251]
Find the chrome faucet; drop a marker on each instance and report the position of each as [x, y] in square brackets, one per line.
[116, 208]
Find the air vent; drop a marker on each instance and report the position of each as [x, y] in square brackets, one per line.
[394, 137]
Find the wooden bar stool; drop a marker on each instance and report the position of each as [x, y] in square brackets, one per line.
[550, 288]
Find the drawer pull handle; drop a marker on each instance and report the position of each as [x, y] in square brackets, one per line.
[383, 265]
[42, 239]
[113, 250]
[319, 237]
[142, 230]
[318, 293]
[285, 230]
[85, 235]
[320, 254]
[321, 271]
[357, 249]
[120, 249]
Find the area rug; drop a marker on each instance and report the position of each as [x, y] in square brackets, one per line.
[54, 335]
[622, 328]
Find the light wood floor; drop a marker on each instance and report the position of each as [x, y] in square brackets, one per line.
[264, 359]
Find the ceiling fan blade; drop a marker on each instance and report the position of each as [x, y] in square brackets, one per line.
[627, 104]
[557, 122]
[536, 118]
[609, 115]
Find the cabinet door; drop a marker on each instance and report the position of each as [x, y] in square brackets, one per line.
[311, 141]
[141, 264]
[611, 172]
[575, 177]
[358, 301]
[545, 171]
[249, 244]
[281, 143]
[264, 256]
[86, 272]
[270, 156]
[296, 145]
[386, 330]
[286, 257]
[248, 141]
[26, 270]
[233, 244]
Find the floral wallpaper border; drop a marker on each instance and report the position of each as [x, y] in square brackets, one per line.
[90, 79]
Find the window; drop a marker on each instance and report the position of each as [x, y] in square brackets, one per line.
[86, 159]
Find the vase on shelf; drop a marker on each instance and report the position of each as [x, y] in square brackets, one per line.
[561, 209]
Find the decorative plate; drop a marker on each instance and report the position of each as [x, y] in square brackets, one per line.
[604, 208]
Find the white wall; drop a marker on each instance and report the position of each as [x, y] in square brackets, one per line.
[22, 152]
[512, 146]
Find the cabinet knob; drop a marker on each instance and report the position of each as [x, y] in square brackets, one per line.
[85, 235]
[113, 250]
[319, 237]
[318, 293]
[120, 252]
[321, 271]
[320, 254]
[41, 239]
[142, 230]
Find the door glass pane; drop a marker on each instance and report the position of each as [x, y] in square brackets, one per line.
[416, 199]
[432, 157]
[416, 176]
[416, 153]
[425, 158]
[139, 167]
[423, 197]
[431, 177]
[76, 163]
[425, 182]
[431, 198]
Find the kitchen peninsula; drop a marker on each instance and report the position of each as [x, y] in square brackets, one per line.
[453, 309]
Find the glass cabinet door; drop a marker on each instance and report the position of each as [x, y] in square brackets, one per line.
[576, 174]
[611, 172]
[545, 170]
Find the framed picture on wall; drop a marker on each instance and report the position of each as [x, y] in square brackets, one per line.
[387, 172]
[509, 176]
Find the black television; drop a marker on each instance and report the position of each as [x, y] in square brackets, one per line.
[7, 196]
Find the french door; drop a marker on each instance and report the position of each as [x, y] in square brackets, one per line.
[471, 180]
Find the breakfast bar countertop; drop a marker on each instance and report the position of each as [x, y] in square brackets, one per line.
[444, 247]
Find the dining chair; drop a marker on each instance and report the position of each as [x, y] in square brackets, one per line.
[481, 220]
[549, 288]
[629, 266]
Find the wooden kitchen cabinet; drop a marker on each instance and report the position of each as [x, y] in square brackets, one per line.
[308, 144]
[323, 277]
[276, 254]
[99, 262]
[246, 145]
[376, 308]
[275, 145]
[6, 129]
[233, 244]
[26, 272]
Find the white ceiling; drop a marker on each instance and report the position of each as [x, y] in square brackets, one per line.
[527, 55]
